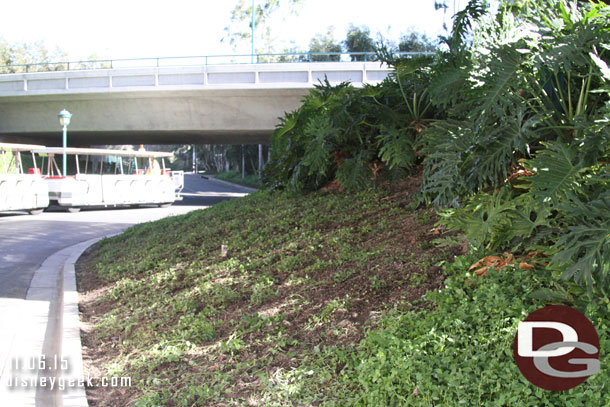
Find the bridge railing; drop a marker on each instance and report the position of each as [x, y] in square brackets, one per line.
[294, 57]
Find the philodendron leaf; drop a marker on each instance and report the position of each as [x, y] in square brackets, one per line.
[556, 171]
[585, 248]
[396, 148]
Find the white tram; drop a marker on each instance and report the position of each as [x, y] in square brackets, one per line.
[100, 177]
[21, 190]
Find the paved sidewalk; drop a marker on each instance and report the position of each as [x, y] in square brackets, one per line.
[41, 360]
[30, 360]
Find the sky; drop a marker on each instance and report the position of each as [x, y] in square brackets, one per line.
[116, 29]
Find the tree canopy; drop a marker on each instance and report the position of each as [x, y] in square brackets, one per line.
[325, 43]
[239, 29]
[16, 54]
[358, 39]
[415, 42]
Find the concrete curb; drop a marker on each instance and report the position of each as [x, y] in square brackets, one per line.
[71, 346]
[231, 184]
[70, 343]
[39, 338]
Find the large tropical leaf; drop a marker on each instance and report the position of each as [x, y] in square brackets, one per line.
[287, 123]
[498, 81]
[317, 152]
[556, 171]
[396, 147]
[498, 147]
[483, 218]
[585, 248]
[445, 144]
[354, 173]
[463, 22]
[447, 84]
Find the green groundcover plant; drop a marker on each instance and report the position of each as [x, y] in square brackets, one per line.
[456, 348]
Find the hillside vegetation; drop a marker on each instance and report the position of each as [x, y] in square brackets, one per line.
[510, 124]
[406, 230]
[302, 275]
[320, 300]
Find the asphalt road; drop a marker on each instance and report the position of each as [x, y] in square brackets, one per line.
[27, 240]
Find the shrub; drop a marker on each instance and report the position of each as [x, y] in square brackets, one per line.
[524, 153]
[354, 136]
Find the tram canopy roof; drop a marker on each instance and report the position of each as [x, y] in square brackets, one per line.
[103, 152]
[19, 147]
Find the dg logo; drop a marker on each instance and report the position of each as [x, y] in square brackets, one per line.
[557, 348]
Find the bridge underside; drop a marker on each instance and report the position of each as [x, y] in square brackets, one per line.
[227, 116]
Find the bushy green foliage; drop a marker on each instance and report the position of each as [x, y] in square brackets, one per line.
[416, 42]
[528, 135]
[321, 44]
[14, 56]
[511, 123]
[353, 135]
[358, 39]
[530, 75]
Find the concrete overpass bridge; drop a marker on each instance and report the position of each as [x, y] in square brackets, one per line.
[203, 104]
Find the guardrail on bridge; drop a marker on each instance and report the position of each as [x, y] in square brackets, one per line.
[294, 57]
